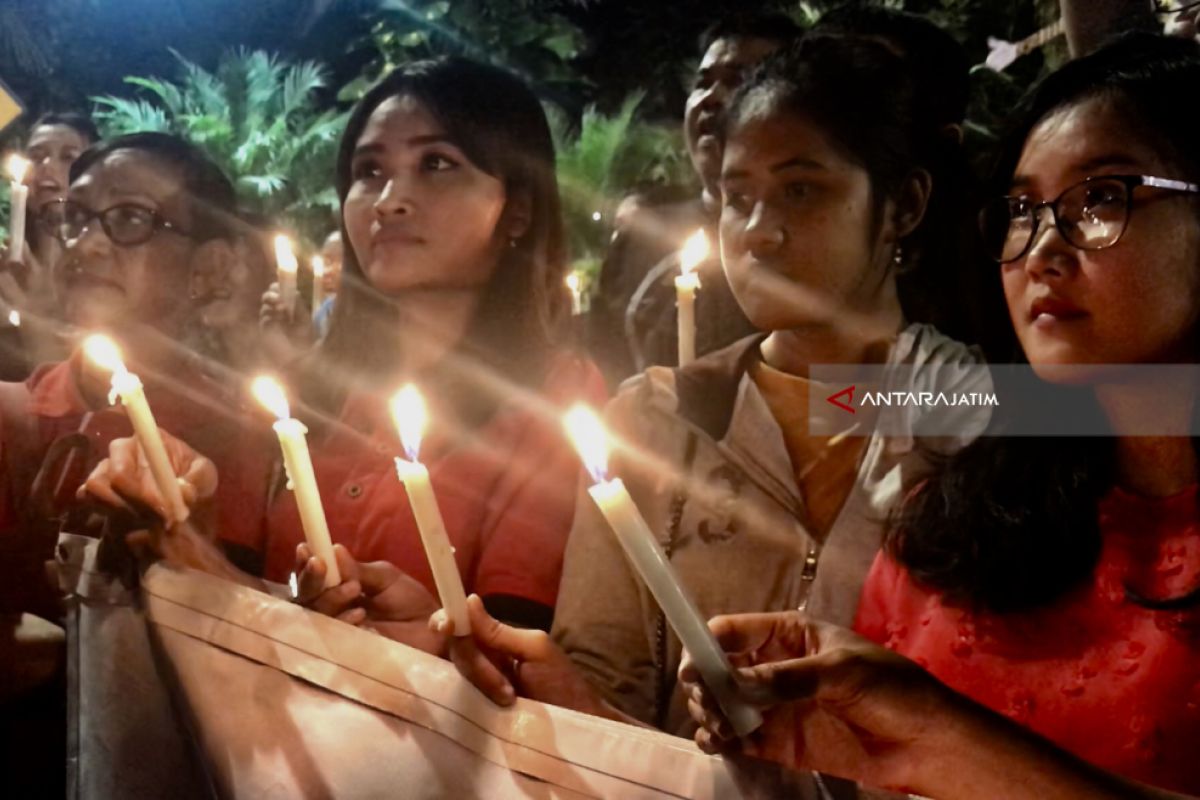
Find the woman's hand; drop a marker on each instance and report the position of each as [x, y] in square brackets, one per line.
[831, 700]
[125, 476]
[503, 662]
[295, 323]
[376, 595]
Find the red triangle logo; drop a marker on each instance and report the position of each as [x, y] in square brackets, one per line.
[846, 393]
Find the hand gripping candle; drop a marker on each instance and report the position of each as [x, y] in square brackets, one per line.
[286, 268]
[411, 417]
[695, 250]
[301, 478]
[104, 352]
[651, 564]
[19, 194]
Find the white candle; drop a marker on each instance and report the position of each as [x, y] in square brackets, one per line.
[301, 478]
[410, 416]
[318, 294]
[695, 250]
[574, 285]
[286, 268]
[104, 352]
[19, 193]
[651, 563]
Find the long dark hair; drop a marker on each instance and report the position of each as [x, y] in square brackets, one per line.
[1011, 523]
[866, 99]
[500, 126]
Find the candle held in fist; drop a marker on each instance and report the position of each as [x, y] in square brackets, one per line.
[411, 417]
[104, 352]
[695, 250]
[286, 268]
[19, 194]
[655, 570]
[301, 478]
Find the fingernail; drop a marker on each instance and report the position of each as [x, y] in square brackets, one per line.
[508, 693]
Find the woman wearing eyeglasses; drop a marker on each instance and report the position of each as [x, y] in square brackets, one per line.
[1054, 581]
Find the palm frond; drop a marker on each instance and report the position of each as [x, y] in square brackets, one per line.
[118, 115]
[299, 84]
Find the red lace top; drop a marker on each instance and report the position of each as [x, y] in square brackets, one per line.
[1112, 681]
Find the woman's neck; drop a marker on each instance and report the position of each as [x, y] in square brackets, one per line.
[1157, 465]
[865, 340]
[433, 324]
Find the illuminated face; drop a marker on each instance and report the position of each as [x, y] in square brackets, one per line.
[797, 236]
[1134, 302]
[52, 150]
[332, 254]
[105, 285]
[420, 215]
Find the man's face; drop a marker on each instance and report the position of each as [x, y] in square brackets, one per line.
[109, 285]
[722, 69]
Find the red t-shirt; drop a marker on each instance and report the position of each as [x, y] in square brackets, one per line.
[507, 496]
[190, 408]
[1109, 680]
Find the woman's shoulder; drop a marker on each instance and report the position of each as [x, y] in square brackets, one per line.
[921, 344]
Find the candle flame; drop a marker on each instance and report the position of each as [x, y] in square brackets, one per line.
[285, 257]
[14, 318]
[695, 250]
[587, 434]
[410, 416]
[573, 282]
[17, 166]
[318, 266]
[268, 392]
[104, 351]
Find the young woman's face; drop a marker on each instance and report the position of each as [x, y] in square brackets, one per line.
[797, 239]
[52, 150]
[1134, 302]
[419, 214]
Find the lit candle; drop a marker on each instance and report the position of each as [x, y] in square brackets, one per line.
[574, 284]
[651, 563]
[301, 478]
[19, 194]
[318, 269]
[105, 353]
[286, 268]
[410, 416]
[695, 250]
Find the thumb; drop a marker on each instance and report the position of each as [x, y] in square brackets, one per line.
[785, 681]
[491, 634]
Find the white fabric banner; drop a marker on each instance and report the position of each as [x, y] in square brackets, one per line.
[286, 703]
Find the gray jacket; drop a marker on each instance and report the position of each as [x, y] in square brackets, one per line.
[706, 463]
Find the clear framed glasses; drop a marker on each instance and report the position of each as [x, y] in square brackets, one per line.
[1091, 215]
[126, 224]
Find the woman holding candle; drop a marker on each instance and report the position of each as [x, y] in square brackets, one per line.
[141, 212]
[822, 201]
[454, 272]
[1053, 581]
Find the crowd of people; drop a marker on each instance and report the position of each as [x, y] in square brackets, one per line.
[962, 616]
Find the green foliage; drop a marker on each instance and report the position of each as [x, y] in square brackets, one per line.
[602, 160]
[527, 36]
[257, 117]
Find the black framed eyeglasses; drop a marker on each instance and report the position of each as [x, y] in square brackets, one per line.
[1091, 215]
[126, 224]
